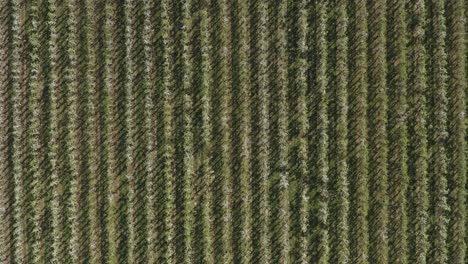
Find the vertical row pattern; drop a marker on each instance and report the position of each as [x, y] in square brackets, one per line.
[165, 174]
[72, 138]
[339, 186]
[378, 134]
[397, 161]
[260, 132]
[111, 129]
[5, 251]
[318, 136]
[34, 229]
[300, 147]
[86, 115]
[456, 39]
[99, 34]
[357, 125]
[16, 97]
[136, 152]
[438, 134]
[185, 137]
[280, 197]
[418, 198]
[205, 93]
[242, 132]
[222, 125]
[51, 115]
[149, 35]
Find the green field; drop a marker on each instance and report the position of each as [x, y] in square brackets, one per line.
[233, 131]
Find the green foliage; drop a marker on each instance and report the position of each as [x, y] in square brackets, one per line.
[358, 140]
[338, 114]
[222, 131]
[397, 130]
[215, 131]
[438, 134]
[418, 196]
[378, 135]
[17, 96]
[279, 195]
[260, 131]
[242, 214]
[456, 40]
[318, 136]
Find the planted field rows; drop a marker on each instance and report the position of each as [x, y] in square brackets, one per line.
[243, 131]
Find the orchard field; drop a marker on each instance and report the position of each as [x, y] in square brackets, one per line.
[233, 131]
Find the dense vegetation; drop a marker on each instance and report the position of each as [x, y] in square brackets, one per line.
[243, 131]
